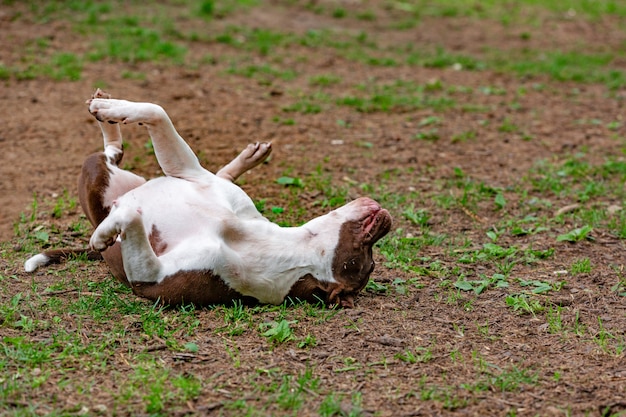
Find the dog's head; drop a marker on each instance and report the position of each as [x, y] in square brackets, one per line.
[363, 223]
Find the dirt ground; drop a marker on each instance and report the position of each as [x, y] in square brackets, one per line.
[46, 131]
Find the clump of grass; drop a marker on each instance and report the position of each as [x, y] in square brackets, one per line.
[443, 59]
[398, 96]
[420, 354]
[324, 80]
[278, 332]
[569, 66]
[580, 266]
[524, 304]
[127, 41]
[575, 235]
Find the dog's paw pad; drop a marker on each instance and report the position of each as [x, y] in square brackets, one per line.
[256, 153]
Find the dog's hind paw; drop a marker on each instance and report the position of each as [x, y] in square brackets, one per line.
[253, 155]
[123, 111]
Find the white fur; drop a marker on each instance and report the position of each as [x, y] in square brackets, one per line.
[35, 262]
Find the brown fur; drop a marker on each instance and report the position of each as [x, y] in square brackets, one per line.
[159, 246]
[310, 289]
[200, 288]
[353, 262]
[113, 257]
[92, 184]
[56, 256]
[352, 266]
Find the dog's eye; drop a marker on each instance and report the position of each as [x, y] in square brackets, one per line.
[351, 264]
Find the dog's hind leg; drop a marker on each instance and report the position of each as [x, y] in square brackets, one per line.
[111, 135]
[101, 180]
[253, 155]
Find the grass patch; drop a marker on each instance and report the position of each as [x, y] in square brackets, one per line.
[398, 96]
[568, 66]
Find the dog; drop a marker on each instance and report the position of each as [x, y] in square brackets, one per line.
[194, 237]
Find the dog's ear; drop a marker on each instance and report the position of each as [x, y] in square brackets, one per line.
[347, 301]
[313, 290]
[309, 289]
[333, 293]
[338, 296]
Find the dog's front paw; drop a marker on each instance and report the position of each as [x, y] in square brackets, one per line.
[118, 223]
[100, 241]
[106, 233]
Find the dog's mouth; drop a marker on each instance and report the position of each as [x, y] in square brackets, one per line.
[375, 225]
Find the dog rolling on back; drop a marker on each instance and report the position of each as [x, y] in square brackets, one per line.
[192, 236]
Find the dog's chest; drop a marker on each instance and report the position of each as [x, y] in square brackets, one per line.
[176, 211]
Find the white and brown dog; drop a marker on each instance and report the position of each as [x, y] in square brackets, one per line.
[195, 237]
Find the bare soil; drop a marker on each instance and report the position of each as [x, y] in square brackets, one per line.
[46, 132]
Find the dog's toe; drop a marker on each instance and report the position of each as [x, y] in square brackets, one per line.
[261, 151]
[100, 94]
[100, 242]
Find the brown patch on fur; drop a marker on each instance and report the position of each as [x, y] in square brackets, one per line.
[200, 288]
[159, 246]
[231, 233]
[92, 185]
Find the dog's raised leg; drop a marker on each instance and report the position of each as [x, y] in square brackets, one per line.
[173, 154]
[101, 180]
[253, 155]
[111, 135]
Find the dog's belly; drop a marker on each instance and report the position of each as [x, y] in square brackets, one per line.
[174, 211]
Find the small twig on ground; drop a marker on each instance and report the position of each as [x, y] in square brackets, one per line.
[60, 292]
[472, 215]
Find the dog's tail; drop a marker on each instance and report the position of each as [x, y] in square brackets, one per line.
[56, 256]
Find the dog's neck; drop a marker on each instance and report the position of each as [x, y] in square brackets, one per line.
[296, 252]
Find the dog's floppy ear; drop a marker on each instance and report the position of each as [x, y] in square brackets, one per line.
[335, 296]
[310, 289]
[347, 301]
